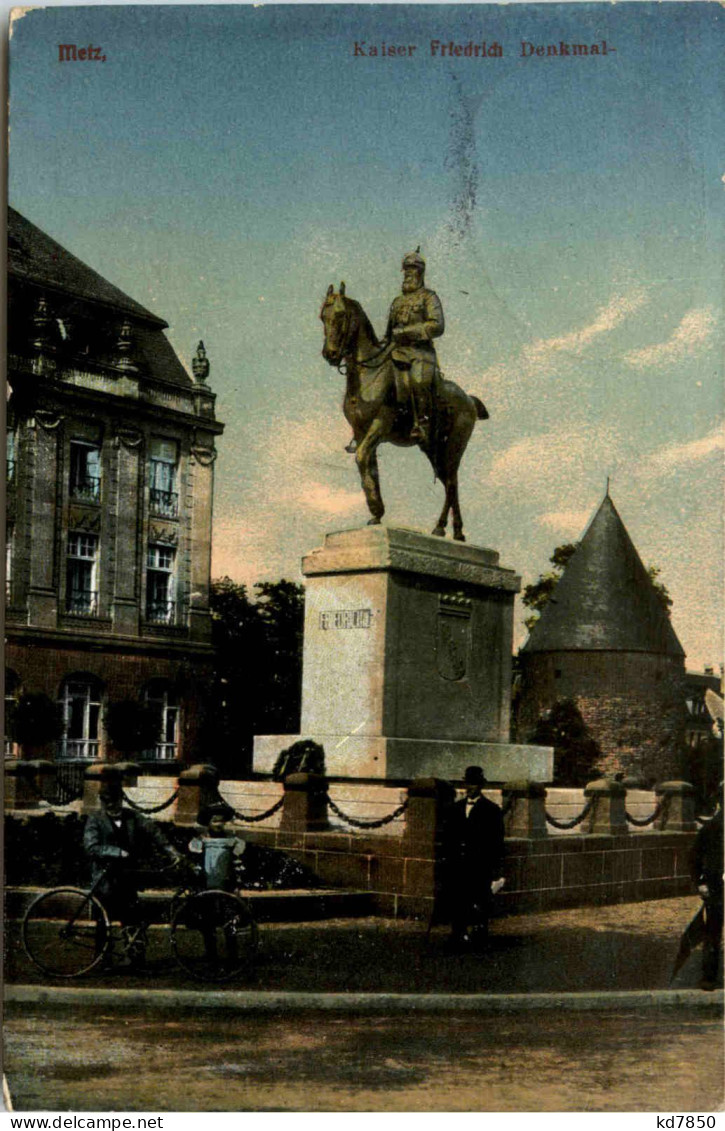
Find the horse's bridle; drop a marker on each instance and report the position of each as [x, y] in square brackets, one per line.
[373, 362]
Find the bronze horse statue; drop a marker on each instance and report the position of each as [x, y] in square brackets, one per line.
[376, 417]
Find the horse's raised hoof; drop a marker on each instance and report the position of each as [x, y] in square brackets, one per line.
[373, 522]
[439, 532]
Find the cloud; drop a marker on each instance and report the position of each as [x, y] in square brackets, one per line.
[607, 319]
[692, 335]
[677, 456]
[543, 355]
[333, 502]
[554, 462]
[570, 523]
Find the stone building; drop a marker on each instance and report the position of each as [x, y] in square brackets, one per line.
[605, 642]
[110, 462]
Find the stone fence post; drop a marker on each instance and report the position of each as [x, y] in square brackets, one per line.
[27, 782]
[678, 807]
[526, 813]
[98, 774]
[428, 801]
[198, 786]
[305, 803]
[608, 812]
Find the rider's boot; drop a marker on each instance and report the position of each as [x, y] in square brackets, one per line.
[420, 429]
[351, 447]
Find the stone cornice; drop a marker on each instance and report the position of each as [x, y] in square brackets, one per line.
[385, 548]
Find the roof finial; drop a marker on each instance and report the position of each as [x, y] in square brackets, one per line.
[606, 493]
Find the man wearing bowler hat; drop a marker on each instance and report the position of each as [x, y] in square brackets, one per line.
[473, 855]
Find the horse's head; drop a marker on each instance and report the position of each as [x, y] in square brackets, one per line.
[338, 315]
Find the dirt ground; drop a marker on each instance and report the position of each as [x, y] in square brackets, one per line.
[312, 1062]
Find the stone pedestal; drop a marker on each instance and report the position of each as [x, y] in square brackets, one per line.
[198, 787]
[608, 812]
[678, 807]
[407, 660]
[524, 806]
[99, 774]
[305, 803]
[27, 783]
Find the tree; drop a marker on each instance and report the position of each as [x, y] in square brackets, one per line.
[538, 595]
[132, 726]
[575, 751]
[36, 722]
[258, 682]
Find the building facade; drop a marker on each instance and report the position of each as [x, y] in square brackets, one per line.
[605, 642]
[110, 475]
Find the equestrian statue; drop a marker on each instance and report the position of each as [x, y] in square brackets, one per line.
[395, 391]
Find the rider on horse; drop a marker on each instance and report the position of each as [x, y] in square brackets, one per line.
[416, 317]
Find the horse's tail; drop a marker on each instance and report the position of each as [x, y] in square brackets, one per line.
[481, 410]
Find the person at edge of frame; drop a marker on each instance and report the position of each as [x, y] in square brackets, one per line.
[116, 841]
[707, 874]
[473, 845]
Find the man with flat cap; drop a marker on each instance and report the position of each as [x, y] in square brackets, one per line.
[473, 861]
[416, 317]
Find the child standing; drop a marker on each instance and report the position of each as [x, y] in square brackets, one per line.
[220, 855]
[220, 852]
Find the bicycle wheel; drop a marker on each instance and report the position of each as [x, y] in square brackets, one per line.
[214, 936]
[66, 932]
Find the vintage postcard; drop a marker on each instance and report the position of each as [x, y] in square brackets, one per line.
[364, 548]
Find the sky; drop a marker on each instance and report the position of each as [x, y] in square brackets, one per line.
[225, 164]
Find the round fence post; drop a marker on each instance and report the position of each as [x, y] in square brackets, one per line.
[428, 800]
[98, 774]
[608, 812]
[198, 786]
[27, 783]
[678, 807]
[524, 804]
[305, 803]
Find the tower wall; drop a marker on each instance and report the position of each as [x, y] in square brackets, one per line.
[631, 702]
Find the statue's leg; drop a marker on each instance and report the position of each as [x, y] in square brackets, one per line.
[440, 527]
[367, 462]
[458, 534]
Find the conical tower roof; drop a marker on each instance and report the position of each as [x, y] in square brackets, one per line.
[605, 600]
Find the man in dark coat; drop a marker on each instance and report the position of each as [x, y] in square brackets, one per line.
[707, 873]
[117, 841]
[473, 861]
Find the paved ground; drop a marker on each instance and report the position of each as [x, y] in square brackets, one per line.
[634, 1059]
[624, 947]
[664, 1063]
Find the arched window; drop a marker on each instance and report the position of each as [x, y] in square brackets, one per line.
[80, 700]
[12, 694]
[164, 701]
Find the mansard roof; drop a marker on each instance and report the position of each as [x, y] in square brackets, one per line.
[74, 290]
[605, 600]
[34, 257]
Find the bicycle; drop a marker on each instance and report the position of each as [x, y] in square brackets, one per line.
[67, 932]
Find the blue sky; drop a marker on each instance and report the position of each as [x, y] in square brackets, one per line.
[225, 164]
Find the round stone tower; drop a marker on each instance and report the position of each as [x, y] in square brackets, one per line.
[605, 641]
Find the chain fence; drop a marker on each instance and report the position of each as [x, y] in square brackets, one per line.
[251, 818]
[147, 810]
[358, 824]
[572, 824]
[661, 808]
